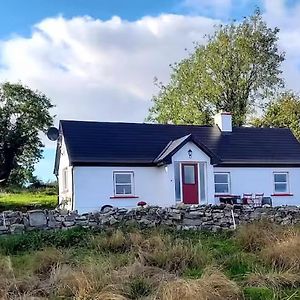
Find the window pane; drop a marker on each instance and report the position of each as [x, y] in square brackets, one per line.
[280, 187]
[177, 181]
[122, 189]
[189, 174]
[280, 177]
[221, 178]
[202, 181]
[123, 178]
[221, 188]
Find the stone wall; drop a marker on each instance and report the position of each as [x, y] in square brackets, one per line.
[209, 217]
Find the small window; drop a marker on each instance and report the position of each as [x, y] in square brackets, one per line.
[189, 174]
[123, 183]
[65, 179]
[281, 182]
[222, 183]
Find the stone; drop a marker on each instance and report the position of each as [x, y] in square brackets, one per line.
[174, 216]
[82, 222]
[17, 228]
[3, 228]
[192, 222]
[68, 223]
[146, 222]
[37, 218]
[81, 218]
[113, 221]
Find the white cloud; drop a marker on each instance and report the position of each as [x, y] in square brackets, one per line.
[286, 17]
[100, 70]
[104, 70]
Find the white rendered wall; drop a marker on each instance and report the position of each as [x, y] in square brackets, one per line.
[94, 187]
[65, 194]
[260, 180]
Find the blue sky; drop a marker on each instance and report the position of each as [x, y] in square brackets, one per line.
[96, 59]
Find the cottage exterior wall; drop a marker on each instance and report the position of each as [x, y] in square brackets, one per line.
[65, 195]
[94, 187]
[260, 180]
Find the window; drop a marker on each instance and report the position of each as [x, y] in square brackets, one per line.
[189, 174]
[123, 183]
[222, 183]
[281, 183]
[65, 179]
[177, 181]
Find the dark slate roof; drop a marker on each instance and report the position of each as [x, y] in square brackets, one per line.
[104, 143]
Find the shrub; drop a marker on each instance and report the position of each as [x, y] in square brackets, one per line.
[255, 236]
[138, 287]
[258, 293]
[239, 264]
[213, 285]
[284, 253]
[274, 279]
[37, 240]
[43, 261]
[174, 256]
[113, 242]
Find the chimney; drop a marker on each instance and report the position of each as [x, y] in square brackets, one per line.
[224, 121]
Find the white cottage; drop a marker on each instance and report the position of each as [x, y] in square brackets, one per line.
[121, 164]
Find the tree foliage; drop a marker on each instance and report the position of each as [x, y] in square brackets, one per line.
[284, 111]
[23, 115]
[236, 70]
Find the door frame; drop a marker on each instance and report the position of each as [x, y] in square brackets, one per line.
[188, 162]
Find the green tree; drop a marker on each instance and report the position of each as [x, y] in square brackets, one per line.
[238, 69]
[23, 115]
[284, 111]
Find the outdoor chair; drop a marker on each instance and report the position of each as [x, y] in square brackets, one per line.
[248, 198]
[258, 199]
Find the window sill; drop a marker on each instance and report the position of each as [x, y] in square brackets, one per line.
[124, 197]
[282, 195]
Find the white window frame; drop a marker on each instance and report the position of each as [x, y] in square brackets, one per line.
[65, 179]
[131, 173]
[287, 182]
[228, 183]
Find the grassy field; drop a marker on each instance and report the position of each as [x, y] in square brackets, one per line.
[27, 200]
[259, 261]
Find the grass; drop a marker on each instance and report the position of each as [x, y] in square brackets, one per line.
[259, 261]
[27, 200]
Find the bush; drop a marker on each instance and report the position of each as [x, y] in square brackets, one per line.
[213, 285]
[37, 240]
[258, 293]
[285, 253]
[173, 255]
[111, 241]
[274, 279]
[257, 235]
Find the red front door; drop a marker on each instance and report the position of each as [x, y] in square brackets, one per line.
[190, 183]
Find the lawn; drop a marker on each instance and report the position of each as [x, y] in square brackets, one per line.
[259, 261]
[27, 200]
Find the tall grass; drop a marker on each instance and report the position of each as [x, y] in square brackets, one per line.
[260, 261]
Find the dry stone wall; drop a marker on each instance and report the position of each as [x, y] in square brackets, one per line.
[209, 217]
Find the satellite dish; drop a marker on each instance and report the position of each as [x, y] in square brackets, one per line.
[52, 133]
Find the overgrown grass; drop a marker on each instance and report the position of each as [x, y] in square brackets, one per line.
[24, 200]
[259, 261]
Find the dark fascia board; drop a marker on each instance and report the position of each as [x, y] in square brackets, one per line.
[258, 164]
[168, 159]
[58, 151]
[113, 164]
